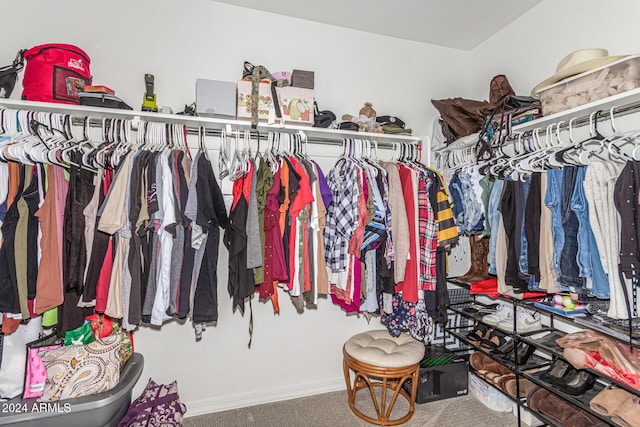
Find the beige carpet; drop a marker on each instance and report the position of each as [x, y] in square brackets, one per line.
[331, 409]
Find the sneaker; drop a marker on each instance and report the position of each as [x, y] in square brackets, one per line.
[504, 312]
[526, 321]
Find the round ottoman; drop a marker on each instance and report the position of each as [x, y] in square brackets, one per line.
[379, 360]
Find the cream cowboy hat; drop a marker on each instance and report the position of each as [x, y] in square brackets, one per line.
[577, 62]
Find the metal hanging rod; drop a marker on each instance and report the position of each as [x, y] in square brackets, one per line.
[212, 126]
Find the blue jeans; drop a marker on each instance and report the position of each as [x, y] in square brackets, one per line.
[552, 200]
[524, 257]
[473, 211]
[494, 220]
[588, 258]
[455, 189]
[569, 269]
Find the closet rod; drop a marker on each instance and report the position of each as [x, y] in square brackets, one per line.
[93, 122]
[97, 113]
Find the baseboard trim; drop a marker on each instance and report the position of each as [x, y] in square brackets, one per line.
[258, 397]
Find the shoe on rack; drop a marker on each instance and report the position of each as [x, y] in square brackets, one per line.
[505, 348]
[504, 312]
[526, 321]
[576, 383]
[556, 372]
[481, 362]
[526, 387]
[495, 339]
[523, 352]
[479, 333]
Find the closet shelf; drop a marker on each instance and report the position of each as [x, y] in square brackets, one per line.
[581, 401]
[624, 102]
[548, 345]
[316, 134]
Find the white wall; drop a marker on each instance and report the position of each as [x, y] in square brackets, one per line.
[529, 49]
[179, 41]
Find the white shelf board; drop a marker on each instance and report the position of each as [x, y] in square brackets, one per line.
[191, 121]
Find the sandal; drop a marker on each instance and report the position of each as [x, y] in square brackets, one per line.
[476, 336]
[495, 339]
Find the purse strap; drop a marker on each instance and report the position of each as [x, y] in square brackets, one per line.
[260, 72]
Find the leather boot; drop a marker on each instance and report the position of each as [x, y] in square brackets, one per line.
[473, 267]
[482, 261]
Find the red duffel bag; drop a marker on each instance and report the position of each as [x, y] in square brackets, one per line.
[55, 73]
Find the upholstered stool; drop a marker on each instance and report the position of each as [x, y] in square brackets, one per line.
[379, 360]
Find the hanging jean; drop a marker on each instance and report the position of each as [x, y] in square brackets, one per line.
[455, 189]
[553, 201]
[494, 220]
[569, 270]
[597, 282]
[474, 213]
[524, 257]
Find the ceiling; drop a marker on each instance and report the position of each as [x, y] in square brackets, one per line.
[459, 24]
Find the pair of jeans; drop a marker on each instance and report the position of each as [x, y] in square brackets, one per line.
[569, 269]
[494, 220]
[455, 189]
[552, 200]
[473, 219]
[597, 282]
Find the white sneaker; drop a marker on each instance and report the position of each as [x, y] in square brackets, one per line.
[526, 321]
[503, 313]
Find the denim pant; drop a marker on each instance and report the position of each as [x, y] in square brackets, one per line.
[494, 220]
[473, 211]
[455, 189]
[597, 282]
[524, 257]
[569, 269]
[552, 200]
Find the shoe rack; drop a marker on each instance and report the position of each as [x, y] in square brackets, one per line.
[537, 366]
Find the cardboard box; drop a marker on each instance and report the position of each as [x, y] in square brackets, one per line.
[215, 98]
[296, 104]
[265, 100]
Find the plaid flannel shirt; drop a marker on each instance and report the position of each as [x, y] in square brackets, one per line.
[342, 214]
[428, 228]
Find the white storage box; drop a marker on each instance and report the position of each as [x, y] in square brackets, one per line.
[296, 104]
[215, 98]
[612, 79]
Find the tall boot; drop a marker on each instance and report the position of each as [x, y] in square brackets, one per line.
[473, 268]
[482, 261]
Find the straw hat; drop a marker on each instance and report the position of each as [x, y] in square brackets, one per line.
[577, 62]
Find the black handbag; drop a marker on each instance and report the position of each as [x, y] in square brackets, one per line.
[9, 75]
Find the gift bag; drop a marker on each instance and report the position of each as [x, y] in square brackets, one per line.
[158, 405]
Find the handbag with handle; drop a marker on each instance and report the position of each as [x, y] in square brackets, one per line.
[157, 405]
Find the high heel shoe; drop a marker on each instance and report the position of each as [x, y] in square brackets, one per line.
[556, 372]
[523, 352]
[577, 382]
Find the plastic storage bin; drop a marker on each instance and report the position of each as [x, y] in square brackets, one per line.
[489, 395]
[609, 80]
[102, 409]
